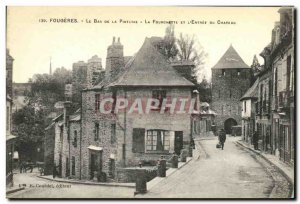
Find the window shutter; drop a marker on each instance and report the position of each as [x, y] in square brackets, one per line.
[138, 140]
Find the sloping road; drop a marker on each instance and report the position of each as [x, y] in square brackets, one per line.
[229, 173]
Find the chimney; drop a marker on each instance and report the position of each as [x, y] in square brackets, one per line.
[184, 68]
[67, 105]
[114, 39]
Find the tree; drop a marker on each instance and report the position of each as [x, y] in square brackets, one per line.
[28, 125]
[204, 89]
[170, 49]
[47, 89]
[189, 49]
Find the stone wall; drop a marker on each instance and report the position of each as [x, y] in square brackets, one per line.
[49, 142]
[226, 93]
[129, 175]
[75, 148]
[124, 128]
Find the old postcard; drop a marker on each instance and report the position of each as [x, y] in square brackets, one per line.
[150, 102]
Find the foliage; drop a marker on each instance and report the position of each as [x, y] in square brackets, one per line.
[170, 49]
[47, 89]
[28, 125]
[189, 49]
[204, 89]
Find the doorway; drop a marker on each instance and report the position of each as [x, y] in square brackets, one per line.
[178, 142]
[95, 163]
[228, 125]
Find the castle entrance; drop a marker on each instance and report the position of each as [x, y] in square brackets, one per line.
[228, 125]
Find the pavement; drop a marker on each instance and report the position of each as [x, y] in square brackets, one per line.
[286, 170]
[230, 173]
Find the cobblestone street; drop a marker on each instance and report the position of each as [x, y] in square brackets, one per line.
[230, 173]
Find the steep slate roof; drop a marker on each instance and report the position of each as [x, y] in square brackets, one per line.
[251, 93]
[150, 68]
[230, 60]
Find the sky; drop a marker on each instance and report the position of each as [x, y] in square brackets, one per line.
[32, 43]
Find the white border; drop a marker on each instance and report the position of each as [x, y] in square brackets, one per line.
[3, 4]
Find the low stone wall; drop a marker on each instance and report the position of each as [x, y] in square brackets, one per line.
[128, 175]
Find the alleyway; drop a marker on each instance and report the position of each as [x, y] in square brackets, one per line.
[229, 173]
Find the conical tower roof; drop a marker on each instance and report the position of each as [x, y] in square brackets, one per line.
[230, 60]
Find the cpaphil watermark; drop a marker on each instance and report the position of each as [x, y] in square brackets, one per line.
[109, 105]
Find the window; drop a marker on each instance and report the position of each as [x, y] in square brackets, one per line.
[73, 166]
[97, 102]
[96, 131]
[160, 95]
[61, 133]
[75, 138]
[113, 133]
[158, 140]
[223, 72]
[238, 72]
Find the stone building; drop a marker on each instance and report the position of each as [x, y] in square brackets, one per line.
[90, 144]
[231, 78]
[9, 74]
[10, 139]
[275, 105]
[84, 75]
[120, 140]
[19, 95]
[248, 103]
[282, 62]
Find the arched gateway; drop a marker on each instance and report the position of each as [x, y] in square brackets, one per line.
[228, 125]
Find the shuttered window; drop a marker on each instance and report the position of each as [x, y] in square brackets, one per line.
[138, 140]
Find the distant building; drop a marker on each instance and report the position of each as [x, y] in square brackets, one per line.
[19, 95]
[10, 139]
[9, 74]
[231, 78]
[84, 75]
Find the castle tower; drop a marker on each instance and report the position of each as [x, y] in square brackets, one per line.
[231, 78]
[114, 59]
[94, 67]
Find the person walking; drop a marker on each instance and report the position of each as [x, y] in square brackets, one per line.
[222, 138]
